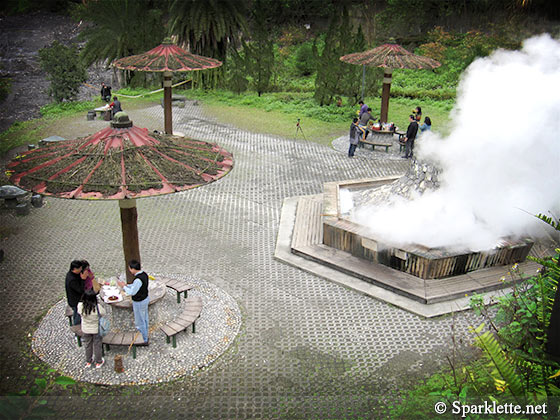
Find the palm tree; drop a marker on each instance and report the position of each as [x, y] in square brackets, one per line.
[119, 28]
[208, 26]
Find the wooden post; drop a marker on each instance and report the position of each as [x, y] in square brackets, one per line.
[129, 222]
[167, 98]
[387, 77]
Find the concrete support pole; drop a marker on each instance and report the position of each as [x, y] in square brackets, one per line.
[167, 102]
[129, 223]
[387, 77]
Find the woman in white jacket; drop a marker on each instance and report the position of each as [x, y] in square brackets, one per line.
[87, 308]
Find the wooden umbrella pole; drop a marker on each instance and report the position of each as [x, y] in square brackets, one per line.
[129, 222]
[387, 77]
[167, 96]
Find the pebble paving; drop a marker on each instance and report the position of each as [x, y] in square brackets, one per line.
[306, 348]
[215, 330]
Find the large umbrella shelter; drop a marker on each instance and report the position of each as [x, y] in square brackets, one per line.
[166, 58]
[388, 56]
[121, 162]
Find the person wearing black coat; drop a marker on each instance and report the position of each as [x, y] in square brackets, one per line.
[74, 289]
[105, 92]
[411, 132]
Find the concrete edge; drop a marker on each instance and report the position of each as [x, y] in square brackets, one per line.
[283, 253]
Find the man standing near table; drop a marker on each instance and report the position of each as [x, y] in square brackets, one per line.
[140, 299]
[74, 289]
[411, 132]
[105, 92]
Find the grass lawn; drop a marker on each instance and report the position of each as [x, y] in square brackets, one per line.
[276, 122]
[283, 124]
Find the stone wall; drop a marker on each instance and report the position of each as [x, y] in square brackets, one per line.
[420, 177]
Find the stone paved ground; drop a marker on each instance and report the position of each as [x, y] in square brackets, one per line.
[307, 348]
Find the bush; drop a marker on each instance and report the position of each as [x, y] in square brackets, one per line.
[65, 71]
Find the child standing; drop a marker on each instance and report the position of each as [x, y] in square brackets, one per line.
[88, 309]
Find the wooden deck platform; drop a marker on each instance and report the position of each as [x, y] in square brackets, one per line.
[307, 239]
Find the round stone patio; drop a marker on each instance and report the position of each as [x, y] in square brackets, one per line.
[216, 329]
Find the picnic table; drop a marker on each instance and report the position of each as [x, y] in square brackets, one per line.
[103, 111]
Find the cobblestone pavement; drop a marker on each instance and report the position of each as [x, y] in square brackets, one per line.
[307, 348]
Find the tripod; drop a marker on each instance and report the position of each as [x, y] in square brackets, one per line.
[298, 129]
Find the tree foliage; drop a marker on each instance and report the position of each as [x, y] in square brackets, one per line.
[119, 28]
[208, 27]
[260, 50]
[64, 69]
[335, 77]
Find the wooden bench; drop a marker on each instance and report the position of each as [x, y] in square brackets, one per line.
[361, 143]
[123, 339]
[185, 319]
[179, 286]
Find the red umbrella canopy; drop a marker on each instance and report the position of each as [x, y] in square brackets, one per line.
[118, 163]
[166, 57]
[391, 56]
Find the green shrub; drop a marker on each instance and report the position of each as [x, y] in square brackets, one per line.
[305, 62]
[65, 71]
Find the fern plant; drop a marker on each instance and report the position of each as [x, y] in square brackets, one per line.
[517, 344]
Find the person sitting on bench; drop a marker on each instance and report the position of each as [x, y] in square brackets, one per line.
[364, 119]
[115, 106]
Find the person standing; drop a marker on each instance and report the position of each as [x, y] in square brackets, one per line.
[411, 132]
[89, 278]
[417, 112]
[74, 289]
[363, 108]
[105, 92]
[427, 126]
[354, 137]
[90, 311]
[140, 299]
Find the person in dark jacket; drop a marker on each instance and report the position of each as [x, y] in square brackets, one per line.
[411, 132]
[74, 289]
[140, 299]
[115, 106]
[105, 92]
[354, 137]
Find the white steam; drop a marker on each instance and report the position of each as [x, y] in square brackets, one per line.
[501, 160]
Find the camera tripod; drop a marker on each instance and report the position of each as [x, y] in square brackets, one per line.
[299, 129]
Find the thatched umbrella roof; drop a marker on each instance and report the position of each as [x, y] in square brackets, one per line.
[166, 58]
[121, 162]
[389, 56]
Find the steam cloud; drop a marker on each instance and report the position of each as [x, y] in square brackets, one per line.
[501, 159]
